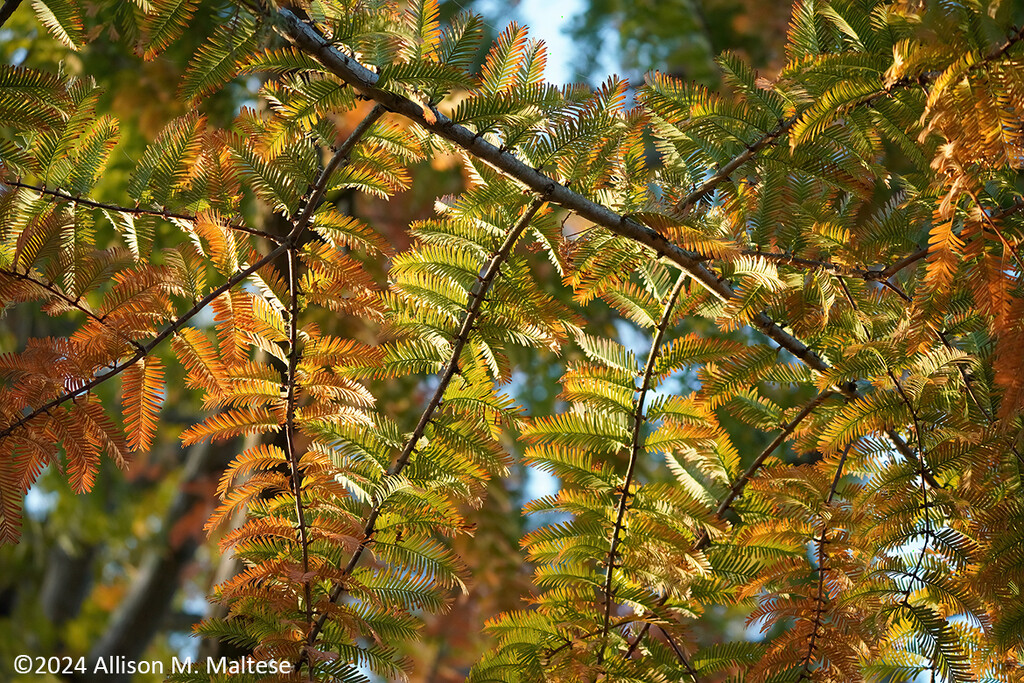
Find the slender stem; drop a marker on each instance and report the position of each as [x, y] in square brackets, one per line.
[74, 303]
[639, 419]
[623, 621]
[341, 158]
[680, 655]
[897, 440]
[910, 260]
[7, 9]
[473, 312]
[146, 349]
[839, 474]
[737, 489]
[905, 262]
[811, 264]
[743, 157]
[926, 506]
[963, 373]
[995, 229]
[819, 607]
[923, 469]
[289, 425]
[787, 429]
[134, 211]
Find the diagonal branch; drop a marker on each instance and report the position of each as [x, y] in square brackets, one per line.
[737, 489]
[639, 419]
[473, 312]
[787, 429]
[819, 605]
[365, 81]
[147, 348]
[897, 440]
[743, 157]
[341, 158]
[911, 259]
[7, 10]
[73, 303]
[310, 41]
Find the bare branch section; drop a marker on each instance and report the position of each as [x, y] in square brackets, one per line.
[709, 185]
[61, 195]
[639, 419]
[7, 9]
[317, 191]
[473, 311]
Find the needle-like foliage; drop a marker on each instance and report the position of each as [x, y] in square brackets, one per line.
[829, 258]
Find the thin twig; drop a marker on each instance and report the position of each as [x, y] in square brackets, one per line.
[289, 425]
[639, 419]
[926, 505]
[341, 158]
[851, 393]
[73, 303]
[787, 429]
[146, 348]
[7, 10]
[473, 312]
[134, 211]
[910, 260]
[622, 621]
[743, 157]
[680, 655]
[737, 488]
[819, 608]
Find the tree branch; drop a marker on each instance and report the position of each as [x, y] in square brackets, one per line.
[487, 277]
[787, 429]
[910, 260]
[746, 155]
[365, 81]
[73, 303]
[146, 348]
[639, 419]
[135, 211]
[7, 10]
[737, 489]
[341, 158]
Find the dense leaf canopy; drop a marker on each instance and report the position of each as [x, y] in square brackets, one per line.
[786, 317]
